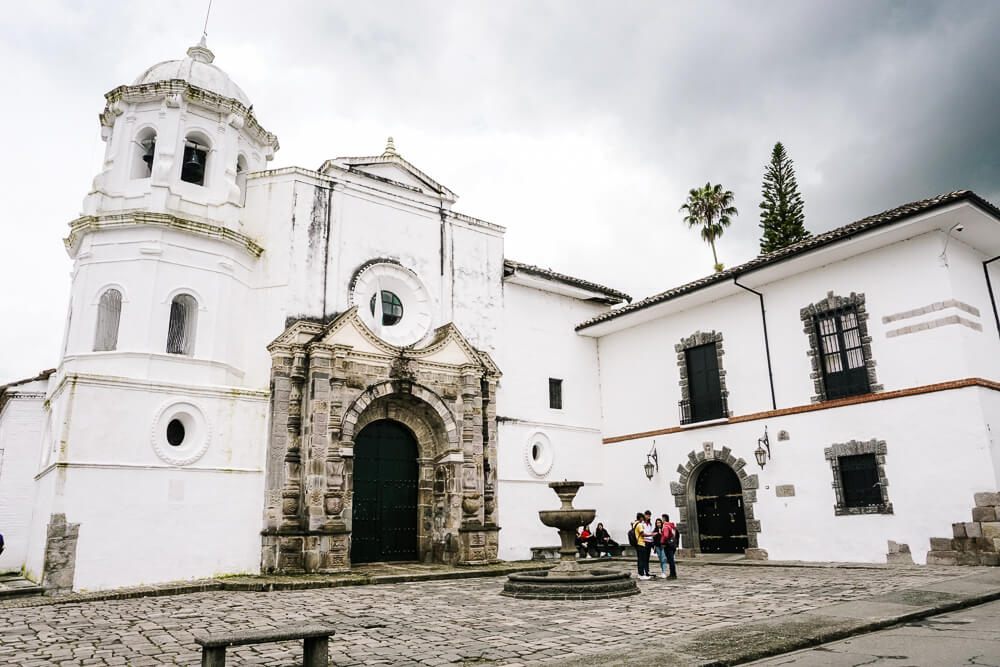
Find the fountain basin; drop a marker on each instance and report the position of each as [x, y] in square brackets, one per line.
[567, 519]
[591, 584]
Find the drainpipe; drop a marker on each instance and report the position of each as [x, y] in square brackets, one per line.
[989, 287]
[767, 345]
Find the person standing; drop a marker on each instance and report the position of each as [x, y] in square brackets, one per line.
[637, 541]
[645, 526]
[670, 539]
[659, 548]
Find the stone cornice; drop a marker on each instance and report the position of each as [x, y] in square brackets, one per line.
[172, 91]
[92, 223]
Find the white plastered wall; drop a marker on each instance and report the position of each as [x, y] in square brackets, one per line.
[938, 444]
[20, 442]
[538, 342]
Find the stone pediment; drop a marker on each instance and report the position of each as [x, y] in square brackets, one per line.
[448, 347]
[392, 168]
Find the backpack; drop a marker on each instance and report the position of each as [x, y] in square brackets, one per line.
[671, 541]
[631, 536]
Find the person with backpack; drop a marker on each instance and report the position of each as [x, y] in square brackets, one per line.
[637, 542]
[669, 539]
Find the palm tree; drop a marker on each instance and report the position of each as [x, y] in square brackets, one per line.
[712, 208]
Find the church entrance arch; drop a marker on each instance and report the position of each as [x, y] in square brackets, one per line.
[715, 496]
[385, 494]
[722, 526]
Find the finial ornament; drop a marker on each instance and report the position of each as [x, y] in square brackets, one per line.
[390, 149]
[200, 51]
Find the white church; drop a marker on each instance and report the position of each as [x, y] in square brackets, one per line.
[298, 370]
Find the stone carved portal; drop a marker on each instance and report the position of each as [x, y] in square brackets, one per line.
[331, 381]
[685, 492]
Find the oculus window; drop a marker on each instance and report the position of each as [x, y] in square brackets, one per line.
[392, 307]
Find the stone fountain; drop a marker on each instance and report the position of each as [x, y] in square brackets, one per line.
[569, 580]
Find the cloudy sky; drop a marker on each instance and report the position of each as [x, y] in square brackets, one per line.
[580, 126]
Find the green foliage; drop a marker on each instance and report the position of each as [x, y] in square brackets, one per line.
[781, 215]
[712, 209]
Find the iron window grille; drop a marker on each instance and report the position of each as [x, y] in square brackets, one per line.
[714, 407]
[842, 355]
[109, 311]
[555, 394]
[859, 480]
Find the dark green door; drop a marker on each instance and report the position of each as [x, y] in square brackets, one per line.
[704, 385]
[722, 524]
[385, 494]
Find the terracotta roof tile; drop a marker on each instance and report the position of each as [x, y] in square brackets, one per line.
[614, 296]
[806, 245]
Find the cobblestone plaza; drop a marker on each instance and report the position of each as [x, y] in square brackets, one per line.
[436, 622]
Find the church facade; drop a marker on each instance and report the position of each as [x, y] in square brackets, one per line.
[296, 370]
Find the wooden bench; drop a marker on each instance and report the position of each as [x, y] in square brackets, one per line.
[315, 643]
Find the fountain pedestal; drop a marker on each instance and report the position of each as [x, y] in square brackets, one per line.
[569, 579]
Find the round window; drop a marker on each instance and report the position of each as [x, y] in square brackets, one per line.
[392, 308]
[181, 433]
[175, 432]
[538, 454]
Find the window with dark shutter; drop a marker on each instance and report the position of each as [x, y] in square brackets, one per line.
[843, 364]
[705, 399]
[555, 394]
[859, 480]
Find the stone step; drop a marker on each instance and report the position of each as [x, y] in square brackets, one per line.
[941, 544]
[942, 558]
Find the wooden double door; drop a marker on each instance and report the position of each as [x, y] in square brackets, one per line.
[722, 524]
[385, 494]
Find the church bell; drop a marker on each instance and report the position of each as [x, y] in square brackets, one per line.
[194, 168]
[147, 157]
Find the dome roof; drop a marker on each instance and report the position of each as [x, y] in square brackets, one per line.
[198, 70]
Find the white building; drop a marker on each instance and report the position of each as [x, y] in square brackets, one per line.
[224, 364]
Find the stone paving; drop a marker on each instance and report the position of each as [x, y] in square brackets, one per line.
[435, 622]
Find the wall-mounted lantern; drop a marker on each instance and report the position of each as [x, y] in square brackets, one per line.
[652, 462]
[760, 453]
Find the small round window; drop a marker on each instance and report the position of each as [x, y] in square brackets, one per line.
[538, 454]
[175, 432]
[392, 308]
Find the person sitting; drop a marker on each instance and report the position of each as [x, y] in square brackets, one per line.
[584, 540]
[602, 541]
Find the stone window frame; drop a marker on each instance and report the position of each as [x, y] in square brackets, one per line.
[694, 340]
[808, 317]
[854, 448]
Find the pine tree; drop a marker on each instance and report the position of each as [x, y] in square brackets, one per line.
[781, 215]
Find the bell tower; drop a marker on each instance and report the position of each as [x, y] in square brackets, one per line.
[180, 140]
[155, 422]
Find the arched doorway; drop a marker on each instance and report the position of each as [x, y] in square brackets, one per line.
[384, 513]
[722, 525]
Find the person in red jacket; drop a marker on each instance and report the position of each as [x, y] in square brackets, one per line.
[669, 539]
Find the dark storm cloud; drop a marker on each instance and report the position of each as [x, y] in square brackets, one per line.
[578, 125]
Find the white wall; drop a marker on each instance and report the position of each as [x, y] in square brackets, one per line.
[933, 467]
[939, 444]
[106, 474]
[537, 343]
[20, 442]
[640, 376]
